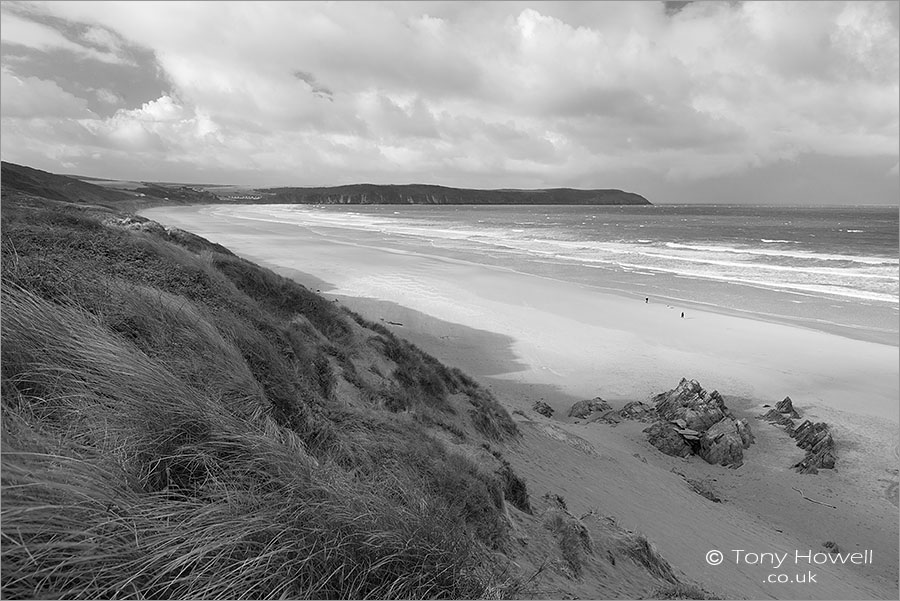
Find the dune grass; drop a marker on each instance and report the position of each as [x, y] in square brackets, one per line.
[572, 538]
[172, 429]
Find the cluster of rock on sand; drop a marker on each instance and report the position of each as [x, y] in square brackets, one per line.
[689, 420]
[814, 438]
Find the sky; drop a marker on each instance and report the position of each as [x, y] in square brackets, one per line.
[727, 102]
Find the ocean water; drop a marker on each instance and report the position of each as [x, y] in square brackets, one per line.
[829, 268]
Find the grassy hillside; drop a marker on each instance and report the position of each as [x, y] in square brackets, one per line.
[57, 187]
[181, 423]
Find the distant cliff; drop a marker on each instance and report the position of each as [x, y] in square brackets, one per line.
[18, 178]
[427, 194]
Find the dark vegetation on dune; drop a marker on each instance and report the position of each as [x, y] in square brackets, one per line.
[181, 423]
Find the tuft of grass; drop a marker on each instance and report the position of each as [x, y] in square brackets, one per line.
[642, 551]
[514, 488]
[489, 417]
[572, 537]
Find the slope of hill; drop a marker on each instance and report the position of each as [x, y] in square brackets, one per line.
[179, 422]
[56, 187]
[427, 194]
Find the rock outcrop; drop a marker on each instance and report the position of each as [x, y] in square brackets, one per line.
[583, 409]
[690, 402]
[783, 414]
[635, 410]
[543, 408]
[786, 406]
[665, 437]
[638, 411]
[725, 441]
[816, 440]
[695, 421]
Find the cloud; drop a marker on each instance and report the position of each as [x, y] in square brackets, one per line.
[30, 97]
[317, 90]
[500, 93]
[31, 34]
[106, 96]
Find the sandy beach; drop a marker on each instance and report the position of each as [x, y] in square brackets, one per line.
[529, 337]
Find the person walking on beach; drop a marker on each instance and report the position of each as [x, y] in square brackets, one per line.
[682, 315]
[647, 300]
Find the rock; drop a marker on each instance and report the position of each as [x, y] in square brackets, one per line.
[689, 434]
[745, 432]
[783, 414]
[638, 411]
[690, 402]
[816, 440]
[543, 408]
[635, 410]
[786, 407]
[610, 417]
[725, 441]
[665, 437]
[583, 409]
[779, 419]
[695, 421]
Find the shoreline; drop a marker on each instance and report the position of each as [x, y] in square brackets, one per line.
[338, 235]
[569, 335]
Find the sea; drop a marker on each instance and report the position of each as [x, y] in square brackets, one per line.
[827, 268]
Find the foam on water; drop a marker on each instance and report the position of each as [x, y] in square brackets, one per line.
[799, 261]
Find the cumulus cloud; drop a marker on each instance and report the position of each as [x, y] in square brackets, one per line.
[496, 94]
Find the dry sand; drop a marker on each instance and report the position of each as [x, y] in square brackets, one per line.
[532, 338]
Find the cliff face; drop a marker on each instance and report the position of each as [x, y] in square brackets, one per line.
[426, 194]
[71, 189]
